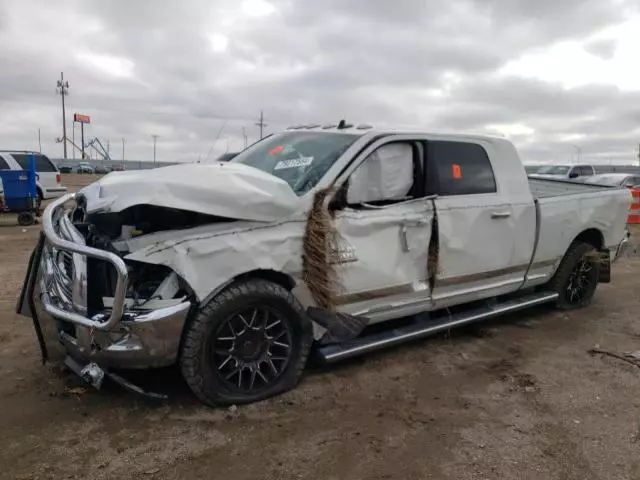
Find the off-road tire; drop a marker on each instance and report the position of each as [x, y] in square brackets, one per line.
[195, 359]
[560, 282]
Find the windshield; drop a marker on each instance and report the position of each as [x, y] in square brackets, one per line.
[554, 170]
[299, 158]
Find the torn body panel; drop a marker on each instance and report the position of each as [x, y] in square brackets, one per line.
[369, 279]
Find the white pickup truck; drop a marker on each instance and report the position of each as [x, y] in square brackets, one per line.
[238, 270]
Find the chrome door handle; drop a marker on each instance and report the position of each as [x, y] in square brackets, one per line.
[500, 214]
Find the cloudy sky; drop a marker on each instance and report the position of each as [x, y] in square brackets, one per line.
[558, 77]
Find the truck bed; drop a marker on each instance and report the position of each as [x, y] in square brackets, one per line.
[545, 188]
[567, 208]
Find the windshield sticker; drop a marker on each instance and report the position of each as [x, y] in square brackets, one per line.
[294, 163]
[276, 150]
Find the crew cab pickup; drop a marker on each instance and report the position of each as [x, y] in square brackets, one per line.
[565, 171]
[239, 270]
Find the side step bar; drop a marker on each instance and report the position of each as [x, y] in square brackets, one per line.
[378, 341]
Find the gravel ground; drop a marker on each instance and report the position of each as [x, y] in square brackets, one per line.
[517, 398]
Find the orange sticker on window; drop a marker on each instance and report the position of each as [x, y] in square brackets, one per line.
[456, 171]
[276, 150]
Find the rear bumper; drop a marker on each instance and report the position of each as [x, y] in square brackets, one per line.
[54, 296]
[624, 248]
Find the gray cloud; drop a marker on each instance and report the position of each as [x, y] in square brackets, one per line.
[373, 60]
[604, 48]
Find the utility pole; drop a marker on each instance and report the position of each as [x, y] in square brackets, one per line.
[123, 153]
[578, 152]
[81, 140]
[39, 141]
[639, 154]
[155, 138]
[63, 88]
[244, 135]
[261, 124]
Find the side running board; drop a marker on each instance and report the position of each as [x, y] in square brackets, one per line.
[421, 329]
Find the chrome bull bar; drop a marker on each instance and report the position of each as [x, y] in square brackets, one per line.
[53, 239]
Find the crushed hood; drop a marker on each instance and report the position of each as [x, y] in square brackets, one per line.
[230, 190]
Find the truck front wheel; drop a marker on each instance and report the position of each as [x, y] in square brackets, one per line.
[577, 276]
[248, 343]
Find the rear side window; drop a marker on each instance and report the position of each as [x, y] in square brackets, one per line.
[3, 164]
[43, 164]
[585, 171]
[459, 168]
[631, 181]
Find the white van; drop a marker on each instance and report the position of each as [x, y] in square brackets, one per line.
[49, 181]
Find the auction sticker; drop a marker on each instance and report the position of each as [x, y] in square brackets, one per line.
[294, 163]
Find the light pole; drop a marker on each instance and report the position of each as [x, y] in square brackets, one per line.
[63, 88]
[578, 151]
[155, 138]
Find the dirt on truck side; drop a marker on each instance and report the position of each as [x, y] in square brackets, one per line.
[531, 396]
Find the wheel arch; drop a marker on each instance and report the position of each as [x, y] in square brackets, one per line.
[280, 278]
[283, 279]
[592, 236]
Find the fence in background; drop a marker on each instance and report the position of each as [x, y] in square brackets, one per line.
[128, 164]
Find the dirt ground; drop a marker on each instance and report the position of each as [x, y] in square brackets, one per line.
[518, 398]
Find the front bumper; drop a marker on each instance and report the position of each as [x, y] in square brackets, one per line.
[54, 295]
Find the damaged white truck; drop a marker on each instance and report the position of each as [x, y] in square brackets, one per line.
[300, 244]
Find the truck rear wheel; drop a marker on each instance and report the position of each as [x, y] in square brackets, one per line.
[249, 343]
[577, 276]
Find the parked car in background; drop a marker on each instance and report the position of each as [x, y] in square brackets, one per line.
[628, 180]
[84, 167]
[532, 168]
[565, 171]
[49, 180]
[102, 169]
[65, 168]
[117, 168]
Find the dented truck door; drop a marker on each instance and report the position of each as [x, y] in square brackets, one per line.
[486, 221]
[383, 233]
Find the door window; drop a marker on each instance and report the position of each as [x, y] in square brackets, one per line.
[385, 176]
[459, 168]
[585, 171]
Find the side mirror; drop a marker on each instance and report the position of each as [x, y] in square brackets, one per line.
[386, 174]
[574, 175]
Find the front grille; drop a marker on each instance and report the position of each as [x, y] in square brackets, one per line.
[67, 263]
[63, 267]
